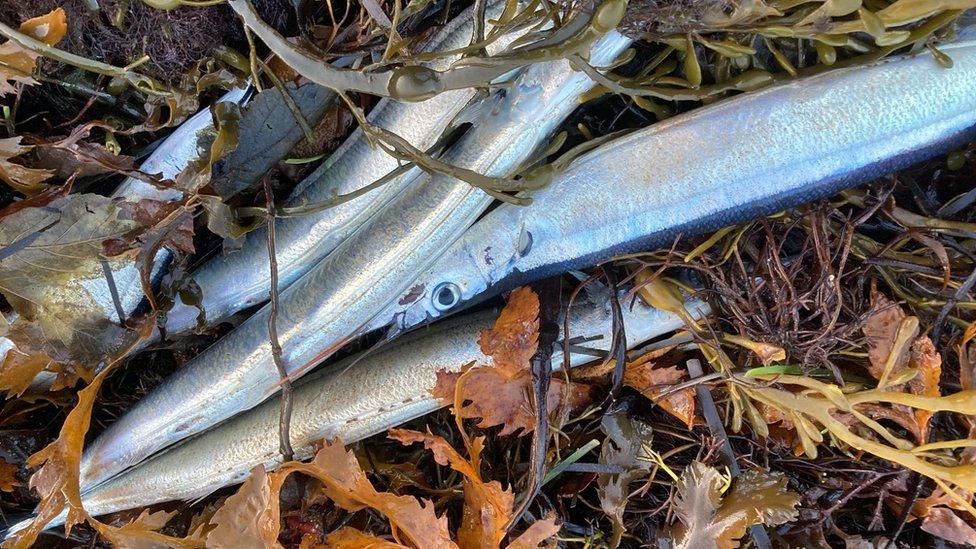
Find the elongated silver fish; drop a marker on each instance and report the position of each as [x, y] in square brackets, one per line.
[748, 156]
[169, 159]
[234, 281]
[335, 300]
[351, 400]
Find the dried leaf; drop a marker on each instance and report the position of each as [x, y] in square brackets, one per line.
[928, 362]
[889, 333]
[8, 476]
[73, 156]
[538, 532]
[142, 533]
[707, 519]
[654, 382]
[501, 395]
[626, 446]
[488, 507]
[16, 63]
[249, 518]
[967, 358]
[53, 277]
[18, 370]
[345, 483]
[57, 479]
[515, 336]
[27, 181]
[350, 538]
[946, 524]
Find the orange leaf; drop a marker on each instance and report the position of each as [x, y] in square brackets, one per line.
[488, 507]
[18, 370]
[496, 399]
[515, 337]
[350, 538]
[345, 483]
[444, 453]
[653, 382]
[8, 476]
[502, 395]
[57, 479]
[249, 518]
[884, 329]
[49, 28]
[141, 533]
[928, 362]
[27, 181]
[967, 358]
[538, 532]
[16, 63]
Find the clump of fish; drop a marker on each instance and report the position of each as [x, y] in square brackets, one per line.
[338, 297]
[417, 259]
[352, 400]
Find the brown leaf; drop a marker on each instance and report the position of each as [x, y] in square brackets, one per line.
[249, 518]
[538, 532]
[345, 483]
[16, 63]
[53, 275]
[501, 395]
[27, 181]
[57, 479]
[73, 156]
[515, 336]
[967, 358]
[485, 393]
[350, 538]
[944, 523]
[142, 533]
[928, 362]
[654, 382]
[8, 476]
[889, 333]
[18, 370]
[709, 520]
[488, 507]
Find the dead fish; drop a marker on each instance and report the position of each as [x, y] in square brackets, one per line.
[351, 400]
[334, 301]
[748, 156]
[241, 279]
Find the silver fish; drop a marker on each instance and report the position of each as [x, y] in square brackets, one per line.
[241, 279]
[334, 301]
[169, 159]
[744, 157]
[350, 400]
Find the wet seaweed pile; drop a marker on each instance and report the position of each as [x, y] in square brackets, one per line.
[816, 406]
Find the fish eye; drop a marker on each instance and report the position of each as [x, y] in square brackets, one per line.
[445, 296]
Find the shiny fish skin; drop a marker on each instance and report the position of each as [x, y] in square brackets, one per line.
[240, 279]
[334, 301]
[744, 157]
[169, 159]
[351, 400]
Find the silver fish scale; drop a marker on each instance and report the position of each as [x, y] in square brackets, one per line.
[240, 279]
[751, 155]
[353, 399]
[334, 301]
